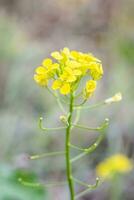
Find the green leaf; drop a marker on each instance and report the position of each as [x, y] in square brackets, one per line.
[12, 189]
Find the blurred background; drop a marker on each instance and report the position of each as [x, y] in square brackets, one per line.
[29, 31]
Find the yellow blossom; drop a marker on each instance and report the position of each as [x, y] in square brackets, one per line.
[50, 66]
[70, 75]
[66, 69]
[41, 76]
[118, 163]
[56, 55]
[89, 89]
[62, 86]
[83, 57]
[65, 89]
[63, 55]
[96, 70]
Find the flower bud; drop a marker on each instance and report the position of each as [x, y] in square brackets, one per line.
[117, 97]
[63, 119]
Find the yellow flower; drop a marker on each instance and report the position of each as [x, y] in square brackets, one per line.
[96, 70]
[118, 163]
[50, 66]
[56, 55]
[62, 55]
[62, 86]
[117, 97]
[67, 71]
[89, 89]
[41, 76]
[70, 75]
[84, 57]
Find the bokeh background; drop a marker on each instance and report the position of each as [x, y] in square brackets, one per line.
[29, 31]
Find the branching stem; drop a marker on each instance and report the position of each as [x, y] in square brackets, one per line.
[85, 184]
[67, 149]
[55, 153]
[79, 107]
[32, 184]
[94, 145]
[92, 187]
[48, 129]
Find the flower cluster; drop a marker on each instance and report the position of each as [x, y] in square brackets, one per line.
[66, 69]
[115, 164]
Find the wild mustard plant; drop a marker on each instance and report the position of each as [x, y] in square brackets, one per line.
[72, 78]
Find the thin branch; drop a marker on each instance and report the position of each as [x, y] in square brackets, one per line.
[48, 129]
[89, 128]
[86, 184]
[117, 97]
[58, 100]
[31, 184]
[34, 157]
[94, 145]
[92, 187]
[86, 127]
[81, 104]
[76, 147]
[90, 107]
[78, 95]
[77, 116]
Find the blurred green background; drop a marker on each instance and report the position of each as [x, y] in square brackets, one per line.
[29, 31]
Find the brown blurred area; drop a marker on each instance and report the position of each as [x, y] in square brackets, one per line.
[29, 31]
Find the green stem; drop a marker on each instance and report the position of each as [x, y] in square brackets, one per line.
[32, 184]
[86, 127]
[94, 145]
[67, 150]
[91, 187]
[81, 182]
[116, 193]
[55, 153]
[48, 129]
[76, 147]
[99, 128]
[89, 107]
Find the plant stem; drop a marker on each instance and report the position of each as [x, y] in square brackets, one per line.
[91, 106]
[91, 187]
[47, 155]
[32, 184]
[67, 150]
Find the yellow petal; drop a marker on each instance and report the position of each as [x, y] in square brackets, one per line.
[89, 89]
[40, 70]
[68, 70]
[90, 86]
[71, 78]
[47, 62]
[65, 89]
[66, 51]
[56, 84]
[77, 72]
[40, 80]
[56, 55]
[96, 71]
[117, 163]
[55, 66]
[91, 57]
[75, 54]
